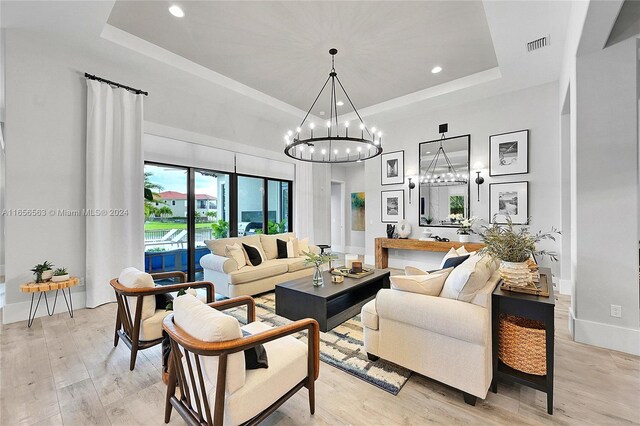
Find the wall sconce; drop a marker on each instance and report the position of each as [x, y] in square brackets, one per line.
[479, 179]
[411, 186]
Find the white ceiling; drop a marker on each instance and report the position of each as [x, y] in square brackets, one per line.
[386, 49]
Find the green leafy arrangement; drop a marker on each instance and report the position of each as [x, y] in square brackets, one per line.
[276, 227]
[220, 229]
[318, 259]
[60, 271]
[40, 268]
[515, 245]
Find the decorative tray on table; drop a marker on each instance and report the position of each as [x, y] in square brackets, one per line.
[346, 272]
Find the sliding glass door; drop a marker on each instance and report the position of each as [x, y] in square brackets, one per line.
[187, 206]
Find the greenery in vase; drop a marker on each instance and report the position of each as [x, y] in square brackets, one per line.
[515, 245]
[466, 226]
[317, 259]
[60, 271]
[40, 268]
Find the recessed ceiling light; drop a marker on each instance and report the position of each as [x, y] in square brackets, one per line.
[176, 11]
[436, 70]
[339, 103]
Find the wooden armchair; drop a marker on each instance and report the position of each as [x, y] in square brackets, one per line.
[189, 361]
[129, 326]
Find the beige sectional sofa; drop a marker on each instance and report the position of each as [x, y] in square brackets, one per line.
[231, 281]
[445, 339]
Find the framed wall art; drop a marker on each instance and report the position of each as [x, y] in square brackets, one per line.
[509, 153]
[509, 199]
[392, 203]
[392, 168]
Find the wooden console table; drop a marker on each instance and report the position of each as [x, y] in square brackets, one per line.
[384, 244]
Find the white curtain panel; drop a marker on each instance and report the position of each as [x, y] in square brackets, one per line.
[114, 187]
[303, 201]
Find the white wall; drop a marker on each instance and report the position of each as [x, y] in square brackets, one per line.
[45, 125]
[536, 109]
[337, 219]
[606, 175]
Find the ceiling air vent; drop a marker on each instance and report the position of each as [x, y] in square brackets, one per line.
[538, 44]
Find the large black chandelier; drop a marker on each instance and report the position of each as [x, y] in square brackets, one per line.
[332, 143]
[443, 174]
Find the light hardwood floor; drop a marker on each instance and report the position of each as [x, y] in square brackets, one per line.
[66, 371]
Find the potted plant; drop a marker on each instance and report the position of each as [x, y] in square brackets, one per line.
[515, 248]
[59, 275]
[429, 220]
[317, 260]
[43, 271]
[220, 229]
[466, 229]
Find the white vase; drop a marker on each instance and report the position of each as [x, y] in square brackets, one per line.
[516, 274]
[46, 275]
[60, 278]
[464, 238]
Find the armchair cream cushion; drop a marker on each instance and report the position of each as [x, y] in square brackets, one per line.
[134, 278]
[210, 325]
[429, 284]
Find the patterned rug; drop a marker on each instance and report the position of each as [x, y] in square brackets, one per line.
[342, 347]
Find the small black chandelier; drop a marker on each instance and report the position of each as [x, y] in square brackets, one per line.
[310, 143]
[436, 176]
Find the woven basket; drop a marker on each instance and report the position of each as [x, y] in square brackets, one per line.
[522, 344]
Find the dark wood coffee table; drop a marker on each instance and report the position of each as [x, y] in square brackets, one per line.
[332, 304]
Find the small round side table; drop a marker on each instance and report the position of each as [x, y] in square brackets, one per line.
[43, 288]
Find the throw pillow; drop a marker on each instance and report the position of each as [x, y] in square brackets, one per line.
[303, 246]
[410, 270]
[256, 357]
[282, 248]
[253, 254]
[467, 279]
[429, 284]
[236, 253]
[452, 262]
[292, 251]
[133, 278]
[454, 253]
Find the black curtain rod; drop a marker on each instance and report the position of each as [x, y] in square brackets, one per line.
[113, 83]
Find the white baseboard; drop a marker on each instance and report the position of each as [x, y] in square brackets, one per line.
[355, 250]
[14, 312]
[605, 335]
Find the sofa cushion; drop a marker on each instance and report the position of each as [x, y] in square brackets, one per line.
[268, 268]
[453, 253]
[463, 321]
[452, 262]
[468, 278]
[429, 284]
[282, 248]
[210, 325]
[253, 255]
[410, 270]
[369, 315]
[263, 387]
[294, 264]
[303, 246]
[269, 246]
[218, 246]
[151, 328]
[236, 252]
[134, 278]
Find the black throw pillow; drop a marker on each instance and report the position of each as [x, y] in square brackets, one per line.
[452, 262]
[282, 249]
[255, 357]
[253, 254]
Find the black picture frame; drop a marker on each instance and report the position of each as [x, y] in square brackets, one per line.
[521, 137]
[385, 180]
[522, 217]
[421, 204]
[384, 216]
